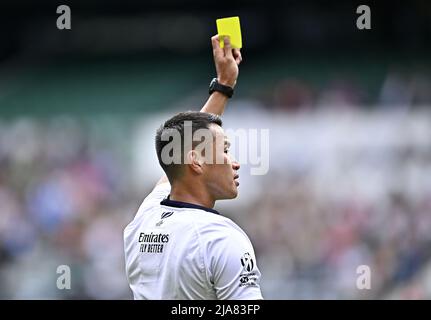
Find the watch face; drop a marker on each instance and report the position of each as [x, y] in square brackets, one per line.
[213, 82]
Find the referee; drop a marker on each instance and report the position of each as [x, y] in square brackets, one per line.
[178, 246]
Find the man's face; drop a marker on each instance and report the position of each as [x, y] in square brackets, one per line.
[221, 176]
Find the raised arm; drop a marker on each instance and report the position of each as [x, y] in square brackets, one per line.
[226, 61]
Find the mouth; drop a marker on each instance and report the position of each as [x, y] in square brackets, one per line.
[235, 179]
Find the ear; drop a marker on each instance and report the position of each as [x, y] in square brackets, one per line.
[195, 161]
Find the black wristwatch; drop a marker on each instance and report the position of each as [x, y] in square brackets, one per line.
[215, 86]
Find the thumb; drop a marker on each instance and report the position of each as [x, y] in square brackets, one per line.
[227, 47]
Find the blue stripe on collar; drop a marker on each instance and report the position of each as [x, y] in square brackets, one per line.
[179, 204]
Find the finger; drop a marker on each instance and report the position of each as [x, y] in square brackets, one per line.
[217, 51]
[237, 55]
[227, 47]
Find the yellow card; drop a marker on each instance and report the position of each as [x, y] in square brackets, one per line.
[230, 27]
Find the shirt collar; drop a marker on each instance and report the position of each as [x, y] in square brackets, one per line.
[179, 204]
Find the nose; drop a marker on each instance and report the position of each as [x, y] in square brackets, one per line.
[235, 165]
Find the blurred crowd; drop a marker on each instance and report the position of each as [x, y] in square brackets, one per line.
[311, 244]
[341, 192]
[64, 199]
[400, 88]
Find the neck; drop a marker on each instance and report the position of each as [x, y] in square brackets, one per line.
[191, 193]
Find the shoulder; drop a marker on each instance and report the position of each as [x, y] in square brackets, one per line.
[159, 192]
[221, 234]
[151, 201]
[212, 224]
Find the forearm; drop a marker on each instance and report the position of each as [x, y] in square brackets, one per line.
[226, 62]
[215, 103]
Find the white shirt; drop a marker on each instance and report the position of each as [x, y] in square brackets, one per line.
[177, 250]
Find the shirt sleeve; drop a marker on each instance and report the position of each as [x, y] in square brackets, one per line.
[231, 265]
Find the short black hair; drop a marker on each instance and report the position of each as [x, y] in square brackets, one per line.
[199, 120]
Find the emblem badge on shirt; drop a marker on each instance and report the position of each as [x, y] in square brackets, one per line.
[164, 216]
[247, 262]
[247, 276]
